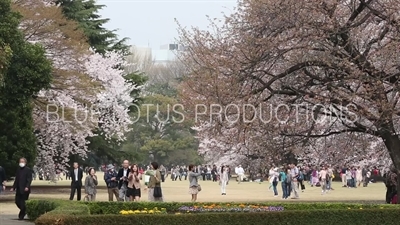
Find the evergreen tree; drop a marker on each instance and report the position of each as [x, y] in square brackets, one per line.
[25, 71]
[86, 13]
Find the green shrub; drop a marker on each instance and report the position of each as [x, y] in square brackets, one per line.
[36, 208]
[304, 217]
[116, 207]
[75, 210]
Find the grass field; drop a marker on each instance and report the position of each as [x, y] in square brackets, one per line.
[178, 191]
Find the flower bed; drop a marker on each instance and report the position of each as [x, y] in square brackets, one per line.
[228, 208]
[144, 211]
[50, 212]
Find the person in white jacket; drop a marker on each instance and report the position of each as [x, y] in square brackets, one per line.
[271, 173]
[224, 179]
[240, 173]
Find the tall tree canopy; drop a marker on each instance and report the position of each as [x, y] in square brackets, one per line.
[86, 13]
[24, 71]
[334, 65]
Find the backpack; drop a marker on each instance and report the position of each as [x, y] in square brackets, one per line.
[301, 176]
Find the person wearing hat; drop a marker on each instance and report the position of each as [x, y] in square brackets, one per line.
[110, 177]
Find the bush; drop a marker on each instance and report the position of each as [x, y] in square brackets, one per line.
[61, 212]
[304, 217]
[36, 208]
[116, 207]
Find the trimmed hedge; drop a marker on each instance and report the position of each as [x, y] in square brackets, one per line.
[36, 208]
[61, 212]
[115, 207]
[304, 217]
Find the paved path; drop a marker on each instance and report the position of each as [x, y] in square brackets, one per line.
[12, 220]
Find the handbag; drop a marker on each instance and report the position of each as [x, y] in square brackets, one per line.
[157, 192]
[199, 187]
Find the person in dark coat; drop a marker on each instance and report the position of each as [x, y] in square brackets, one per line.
[22, 187]
[3, 179]
[76, 182]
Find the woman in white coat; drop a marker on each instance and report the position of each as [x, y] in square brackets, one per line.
[224, 179]
[359, 177]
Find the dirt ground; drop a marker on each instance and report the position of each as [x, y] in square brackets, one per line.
[178, 191]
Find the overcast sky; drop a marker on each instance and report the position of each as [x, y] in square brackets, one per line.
[151, 22]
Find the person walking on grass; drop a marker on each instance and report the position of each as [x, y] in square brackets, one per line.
[22, 187]
[330, 176]
[391, 184]
[323, 175]
[294, 172]
[76, 182]
[282, 178]
[134, 178]
[193, 182]
[3, 179]
[110, 177]
[275, 181]
[122, 178]
[224, 179]
[240, 174]
[91, 185]
[154, 185]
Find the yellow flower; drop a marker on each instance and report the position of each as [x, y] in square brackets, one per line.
[124, 212]
[157, 211]
[136, 211]
[151, 211]
[143, 211]
[130, 212]
[177, 213]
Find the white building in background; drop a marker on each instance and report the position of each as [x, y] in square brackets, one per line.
[165, 54]
[142, 53]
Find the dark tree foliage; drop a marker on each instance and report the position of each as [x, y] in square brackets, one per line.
[25, 72]
[86, 13]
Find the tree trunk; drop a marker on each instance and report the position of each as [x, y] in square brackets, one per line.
[392, 143]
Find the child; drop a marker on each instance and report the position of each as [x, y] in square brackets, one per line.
[349, 178]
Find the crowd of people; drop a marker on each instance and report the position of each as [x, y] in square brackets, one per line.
[125, 183]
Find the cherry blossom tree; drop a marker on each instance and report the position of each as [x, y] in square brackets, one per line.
[88, 90]
[63, 129]
[335, 59]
